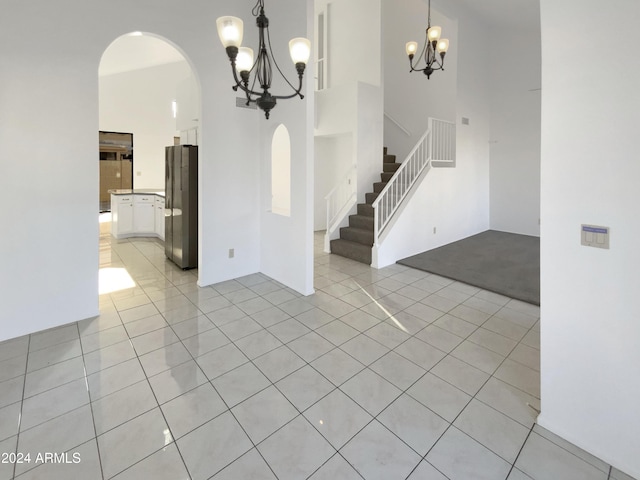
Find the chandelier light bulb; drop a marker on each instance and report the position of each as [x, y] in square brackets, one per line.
[434, 33]
[300, 50]
[443, 46]
[412, 48]
[230, 31]
[244, 60]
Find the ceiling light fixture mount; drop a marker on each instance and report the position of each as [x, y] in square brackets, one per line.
[433, 45]
[230, 30]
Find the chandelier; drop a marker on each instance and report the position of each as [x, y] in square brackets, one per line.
[230, 30]
[433, 44]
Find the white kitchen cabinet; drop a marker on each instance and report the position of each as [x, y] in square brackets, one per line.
[137, 215]
[159, 213]
[144, 219]
[121, 215]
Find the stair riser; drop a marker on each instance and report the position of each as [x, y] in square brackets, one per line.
[365, 210]
[356, 235]
[361, 221]
[390, 167]
[385, 177]
[389, 158]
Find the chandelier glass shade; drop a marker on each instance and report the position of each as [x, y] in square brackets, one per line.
[244, 65]
[434, 47]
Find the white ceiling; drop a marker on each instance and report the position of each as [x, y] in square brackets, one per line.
[131, 52]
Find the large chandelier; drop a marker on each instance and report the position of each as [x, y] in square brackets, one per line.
[230, 30]
[433, 44]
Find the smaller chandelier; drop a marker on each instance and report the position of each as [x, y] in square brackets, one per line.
[433, 45]
[230, 30]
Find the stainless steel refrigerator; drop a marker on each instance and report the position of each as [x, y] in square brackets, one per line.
[181, 205]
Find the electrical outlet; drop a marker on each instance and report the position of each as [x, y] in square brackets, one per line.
[232, 252]
[434, 230]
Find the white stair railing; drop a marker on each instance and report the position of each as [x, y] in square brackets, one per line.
[340, 200]
[437, 144]
[443, 145]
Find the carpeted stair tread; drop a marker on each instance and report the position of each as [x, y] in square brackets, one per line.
[379, 186]
[352, 250]
[365, 209]
[356, 240]
[364, 222]
[357, 235]
[370, 197]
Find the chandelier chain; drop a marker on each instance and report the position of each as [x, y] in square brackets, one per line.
[260, 6]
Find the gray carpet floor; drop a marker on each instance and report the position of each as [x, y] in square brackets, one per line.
[500, 262]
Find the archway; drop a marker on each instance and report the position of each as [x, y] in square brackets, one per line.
[149, 90]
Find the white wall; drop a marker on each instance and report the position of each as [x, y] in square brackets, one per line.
[139, 102]
[353, 37]
[49, 128]
[590, 170]
[409, 98]
[330, 167]
[453, 200]
[188, 104]
[286, 244]
[515, 130]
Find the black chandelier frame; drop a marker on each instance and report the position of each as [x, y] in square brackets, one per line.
[429, 53]
[263, 69]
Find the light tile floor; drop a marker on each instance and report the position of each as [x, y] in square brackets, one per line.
[382, 374]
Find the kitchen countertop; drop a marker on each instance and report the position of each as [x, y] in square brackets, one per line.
[143, 191]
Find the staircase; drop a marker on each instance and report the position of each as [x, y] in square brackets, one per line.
[356, 240]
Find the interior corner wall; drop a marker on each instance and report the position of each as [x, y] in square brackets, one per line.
[590, 308]
[49, 129]
[410, 98]
[139, 102]
[515, 130]
[287, 242]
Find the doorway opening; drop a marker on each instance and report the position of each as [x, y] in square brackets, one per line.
[116, 165]
[147, 90]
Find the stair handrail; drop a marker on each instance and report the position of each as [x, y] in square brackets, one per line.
[339, 202]
[398, 124]
[400, 184]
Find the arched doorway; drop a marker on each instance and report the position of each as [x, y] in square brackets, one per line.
[148, 93]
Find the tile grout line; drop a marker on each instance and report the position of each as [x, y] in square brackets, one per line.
[520, 451]
[24, 386]
[93, 419]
